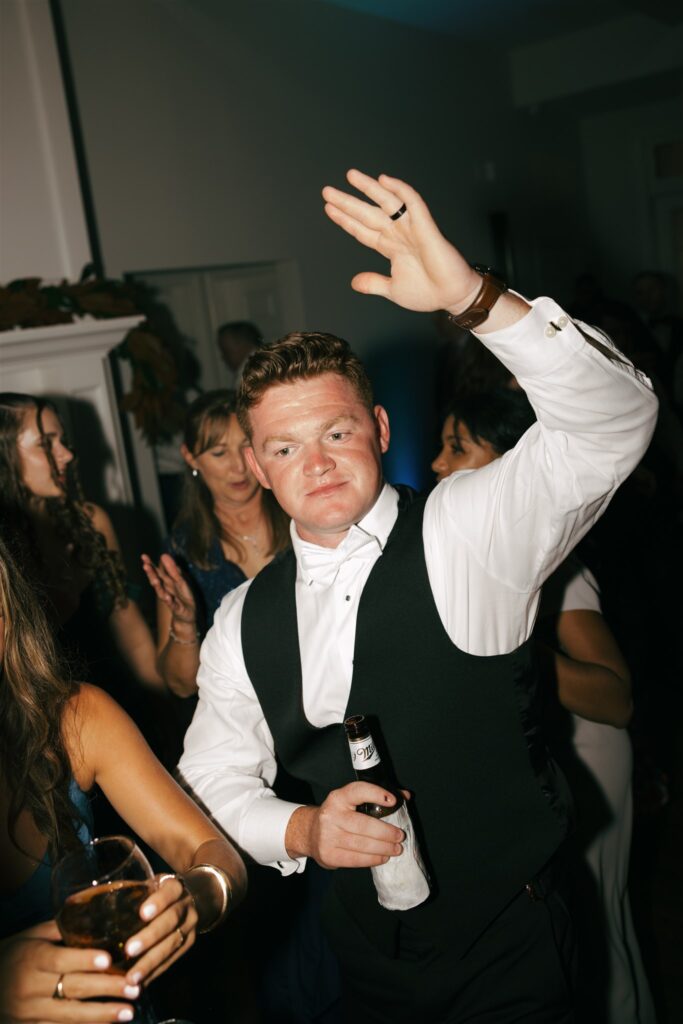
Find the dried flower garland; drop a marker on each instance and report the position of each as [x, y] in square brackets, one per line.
[157, 363]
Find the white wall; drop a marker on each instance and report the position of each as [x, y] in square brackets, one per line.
[620, 50]
[623, 195]
[211, 127]
[42, 226]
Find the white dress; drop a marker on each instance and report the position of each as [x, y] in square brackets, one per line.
[601, 784]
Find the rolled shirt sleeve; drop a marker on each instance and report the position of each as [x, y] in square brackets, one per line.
[228, 760]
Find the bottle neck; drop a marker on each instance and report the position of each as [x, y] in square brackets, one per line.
[367, 765]
[364, 754]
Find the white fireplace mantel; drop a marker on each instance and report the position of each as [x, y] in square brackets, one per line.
[69, 363]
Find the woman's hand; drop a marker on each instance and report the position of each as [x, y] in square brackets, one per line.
[172, 931]
[171, 588]
[31, 967]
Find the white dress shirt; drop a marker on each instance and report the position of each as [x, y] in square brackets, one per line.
[491, 537]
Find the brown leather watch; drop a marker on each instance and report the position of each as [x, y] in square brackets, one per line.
[492, 287]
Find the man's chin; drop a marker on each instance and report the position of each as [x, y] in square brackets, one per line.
[326, 530]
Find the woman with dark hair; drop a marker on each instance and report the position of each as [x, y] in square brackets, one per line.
[58, 740]
[481, 426]
[227, 529]
[74, 550]
[585, 671]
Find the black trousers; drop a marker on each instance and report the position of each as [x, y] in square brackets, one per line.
[521, 969]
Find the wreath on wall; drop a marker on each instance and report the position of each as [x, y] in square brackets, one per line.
[158, 361]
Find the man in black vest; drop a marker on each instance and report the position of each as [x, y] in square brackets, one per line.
[418, 613]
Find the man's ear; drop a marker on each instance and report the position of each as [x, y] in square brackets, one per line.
[383, 431]
[255, 468]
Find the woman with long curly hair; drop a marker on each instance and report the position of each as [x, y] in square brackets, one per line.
[74, 550]
[227, 529]
[58, 740]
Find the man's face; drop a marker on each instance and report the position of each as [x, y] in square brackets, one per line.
[319, 449]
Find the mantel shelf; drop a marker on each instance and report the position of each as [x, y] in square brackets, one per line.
[26, 343]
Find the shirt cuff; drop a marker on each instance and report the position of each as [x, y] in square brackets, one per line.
[264, 834]
[538, 343]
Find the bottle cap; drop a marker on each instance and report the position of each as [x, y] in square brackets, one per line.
[356, 727]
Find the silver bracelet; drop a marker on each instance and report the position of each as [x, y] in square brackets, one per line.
[226, 892]
[183, 643]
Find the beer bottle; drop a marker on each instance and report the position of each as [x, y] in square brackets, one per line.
[368, 767]
[402, 882]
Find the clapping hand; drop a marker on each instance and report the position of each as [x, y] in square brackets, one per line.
[427, 272]
[171, 587]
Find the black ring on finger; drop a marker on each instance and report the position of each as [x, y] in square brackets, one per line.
[399, 213]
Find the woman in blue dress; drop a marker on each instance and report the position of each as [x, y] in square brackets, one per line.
[228, 528]
[59, 739]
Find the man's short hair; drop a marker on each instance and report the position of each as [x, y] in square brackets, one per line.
[299, 356]
[242, 329]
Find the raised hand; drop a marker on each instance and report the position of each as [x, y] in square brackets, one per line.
[427, 272]
[171, 588]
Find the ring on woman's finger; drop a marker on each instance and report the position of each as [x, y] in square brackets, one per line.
[181, 934]
[59, 989]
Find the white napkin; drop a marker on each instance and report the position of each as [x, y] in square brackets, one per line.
[402, 882]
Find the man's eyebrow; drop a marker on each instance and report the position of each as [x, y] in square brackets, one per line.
[277, 439]
[288, 438]
[339, 419]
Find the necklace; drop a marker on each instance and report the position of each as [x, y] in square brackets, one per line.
[251, 539]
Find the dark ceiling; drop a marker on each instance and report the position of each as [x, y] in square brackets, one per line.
[512, 22]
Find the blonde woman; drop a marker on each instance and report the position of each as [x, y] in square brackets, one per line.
[59, 740]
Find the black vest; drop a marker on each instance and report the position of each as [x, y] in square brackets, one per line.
[460, 731]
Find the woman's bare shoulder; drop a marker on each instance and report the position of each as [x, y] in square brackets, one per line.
[101, 521]
[88, 715]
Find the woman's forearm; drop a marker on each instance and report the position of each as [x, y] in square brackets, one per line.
[178, 663]
[135, 642]
[593, 691]
[215, 894]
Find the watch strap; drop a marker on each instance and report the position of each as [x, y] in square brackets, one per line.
[492, 287]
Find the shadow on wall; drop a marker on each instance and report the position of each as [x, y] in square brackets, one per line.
[403, 376]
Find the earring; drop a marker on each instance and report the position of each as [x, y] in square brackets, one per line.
[195, 472]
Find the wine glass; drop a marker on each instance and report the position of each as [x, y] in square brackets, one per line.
[97, 891]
